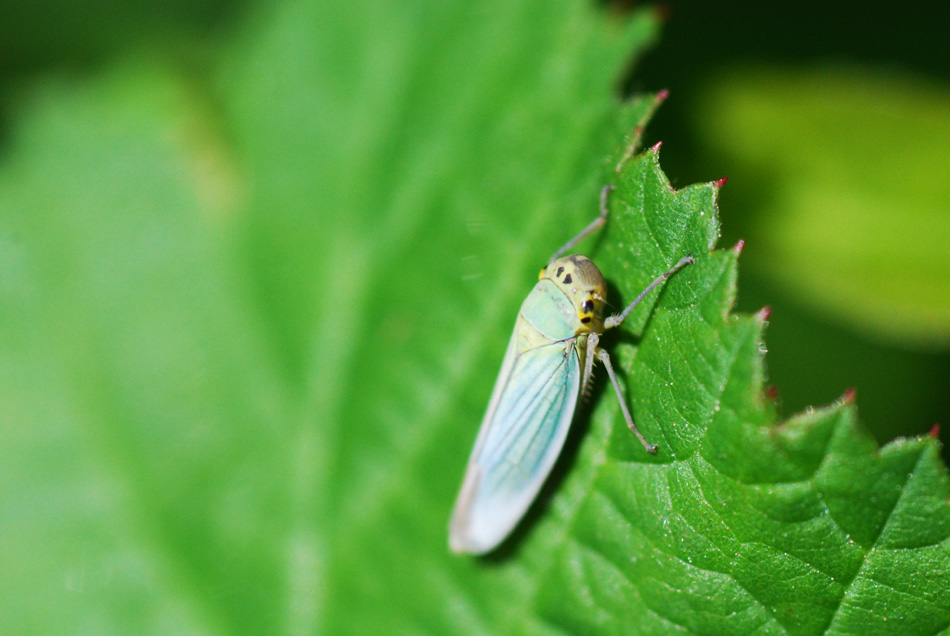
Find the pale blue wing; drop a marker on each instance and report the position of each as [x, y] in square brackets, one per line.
[521, 437]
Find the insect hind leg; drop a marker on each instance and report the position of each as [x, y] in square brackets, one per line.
[604, 357]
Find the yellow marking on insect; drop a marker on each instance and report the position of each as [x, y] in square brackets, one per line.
[583, 284]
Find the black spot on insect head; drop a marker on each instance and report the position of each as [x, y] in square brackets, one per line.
[560, 270]
[568, 280]
[588, 305]
[585, 319]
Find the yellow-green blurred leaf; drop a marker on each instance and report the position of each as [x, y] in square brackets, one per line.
[857, 219]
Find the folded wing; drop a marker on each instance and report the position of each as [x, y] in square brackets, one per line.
[520, 440]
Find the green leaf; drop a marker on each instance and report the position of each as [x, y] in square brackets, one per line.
[852, 216]
[247, 335]
[142, 414]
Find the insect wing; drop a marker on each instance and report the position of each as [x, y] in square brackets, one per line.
[519, 441]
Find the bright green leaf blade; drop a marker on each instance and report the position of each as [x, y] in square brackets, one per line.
[737, 526]
[408, 190]
[142, 460]
[857, 221]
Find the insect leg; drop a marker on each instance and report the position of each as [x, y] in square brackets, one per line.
[616, 319]
[592, 340]
[594, 225]
[604, 357]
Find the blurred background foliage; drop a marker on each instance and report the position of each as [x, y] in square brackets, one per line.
[759, 93]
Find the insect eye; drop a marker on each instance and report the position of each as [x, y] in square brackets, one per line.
[588, 306]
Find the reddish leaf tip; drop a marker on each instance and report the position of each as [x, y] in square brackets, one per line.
[738, 247]
[935, 431]
[849, 395]
[662, 95]
[763, 314]
[721, 182]
[656, 146]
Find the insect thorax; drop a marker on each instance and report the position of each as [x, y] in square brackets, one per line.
[584, 286]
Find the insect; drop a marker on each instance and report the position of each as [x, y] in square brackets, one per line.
[548, 362]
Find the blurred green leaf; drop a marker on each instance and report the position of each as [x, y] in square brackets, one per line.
[246, 337]
[856, 223]
[142, 415]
